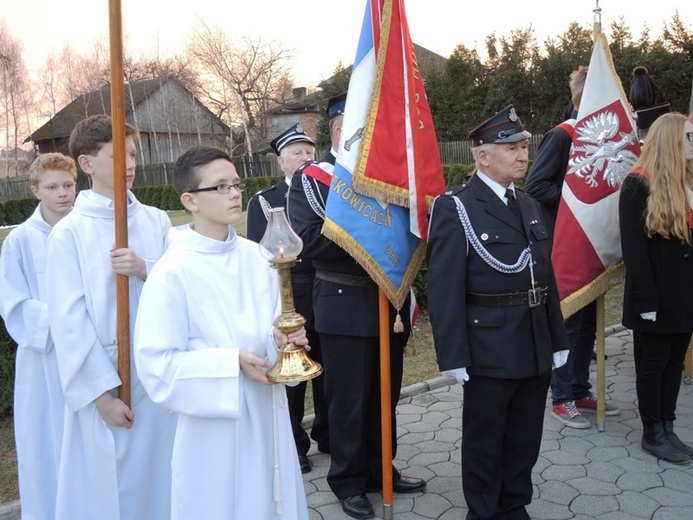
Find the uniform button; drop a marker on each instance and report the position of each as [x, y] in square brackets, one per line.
[686, 256]
[531, 243]
[535, 262]
[339, 291]
[476, 321]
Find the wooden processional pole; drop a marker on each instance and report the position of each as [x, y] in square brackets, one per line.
[120, 194]
[385, 403]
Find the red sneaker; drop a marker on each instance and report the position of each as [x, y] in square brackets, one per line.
[589, 405]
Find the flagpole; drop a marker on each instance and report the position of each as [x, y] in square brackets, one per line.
[120, 195]
[600, 302]
[385, 403]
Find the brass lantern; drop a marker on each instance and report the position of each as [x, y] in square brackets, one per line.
[281, 246]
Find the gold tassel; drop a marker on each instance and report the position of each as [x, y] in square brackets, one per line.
[398, 326]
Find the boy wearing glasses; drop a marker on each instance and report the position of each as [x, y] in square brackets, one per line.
[203, 341]
[38, 398]
[115, 458]
[293, 148]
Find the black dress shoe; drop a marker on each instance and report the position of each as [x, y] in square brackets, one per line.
[409, 485]
[305, 464]
[357, 506]
[403, 485]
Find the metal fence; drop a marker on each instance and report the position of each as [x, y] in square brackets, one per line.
[260, 165]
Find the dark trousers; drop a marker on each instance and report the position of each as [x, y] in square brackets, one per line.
[352, 390]
[502, 422]
[658, 366]
[571, 381]
[296, 396]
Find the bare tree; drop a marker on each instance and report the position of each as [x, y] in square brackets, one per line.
[49, 100]
[15, 90]
[240, 81]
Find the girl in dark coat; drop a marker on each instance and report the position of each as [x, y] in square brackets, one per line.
[655, 220]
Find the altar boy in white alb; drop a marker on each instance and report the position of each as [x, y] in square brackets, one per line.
[38, 398]
[115, 459]
[203, 341]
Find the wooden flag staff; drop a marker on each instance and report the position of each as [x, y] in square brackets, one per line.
[120, 194]
[385, 403]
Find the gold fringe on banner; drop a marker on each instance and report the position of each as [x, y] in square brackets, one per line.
[590, 292]
[396, 296]
[368, 186]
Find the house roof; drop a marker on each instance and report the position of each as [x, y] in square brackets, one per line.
[308, 104]
[99, 102]
[426, 59]
[429, 60]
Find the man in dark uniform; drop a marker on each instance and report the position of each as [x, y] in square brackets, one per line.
[293, 147]
[335, 113]
[496, 317]
[346, 318]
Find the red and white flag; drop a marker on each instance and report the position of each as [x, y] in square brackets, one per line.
[605, 147]
[399, 162]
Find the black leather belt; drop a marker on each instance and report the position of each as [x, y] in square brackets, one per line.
[531, 298]
[345, 279]
[302, 278]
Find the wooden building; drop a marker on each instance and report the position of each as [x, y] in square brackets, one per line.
[169, 117]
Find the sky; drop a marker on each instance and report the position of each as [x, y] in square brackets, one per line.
[322, 33]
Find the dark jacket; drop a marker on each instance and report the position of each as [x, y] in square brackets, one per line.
[501, 342]
[339, 308]
[659, 271]
[545, 179]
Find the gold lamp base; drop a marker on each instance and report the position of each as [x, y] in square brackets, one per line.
[294, 364]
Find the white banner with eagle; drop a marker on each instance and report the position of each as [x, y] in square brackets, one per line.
[605, 147]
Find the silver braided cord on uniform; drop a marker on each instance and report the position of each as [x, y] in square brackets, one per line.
[264, 205]
[315, 202]
[523, 260]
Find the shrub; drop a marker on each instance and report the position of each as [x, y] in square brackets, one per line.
[255, 184]
[17, 211]
[137, 191]
[173, 202]
[420, 286]
[8, 351]
[456, 173]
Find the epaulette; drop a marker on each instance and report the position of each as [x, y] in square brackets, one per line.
[457, 189]
[264, 190]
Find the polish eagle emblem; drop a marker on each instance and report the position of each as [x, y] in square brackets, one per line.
[601, 149]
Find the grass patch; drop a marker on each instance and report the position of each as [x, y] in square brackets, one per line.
[8, 462]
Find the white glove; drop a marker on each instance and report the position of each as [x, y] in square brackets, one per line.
[458, 373]
[560, 358]
[652, 316]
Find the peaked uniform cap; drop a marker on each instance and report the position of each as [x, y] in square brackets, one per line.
[295, 134]
[336, 104]
[503, 127]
